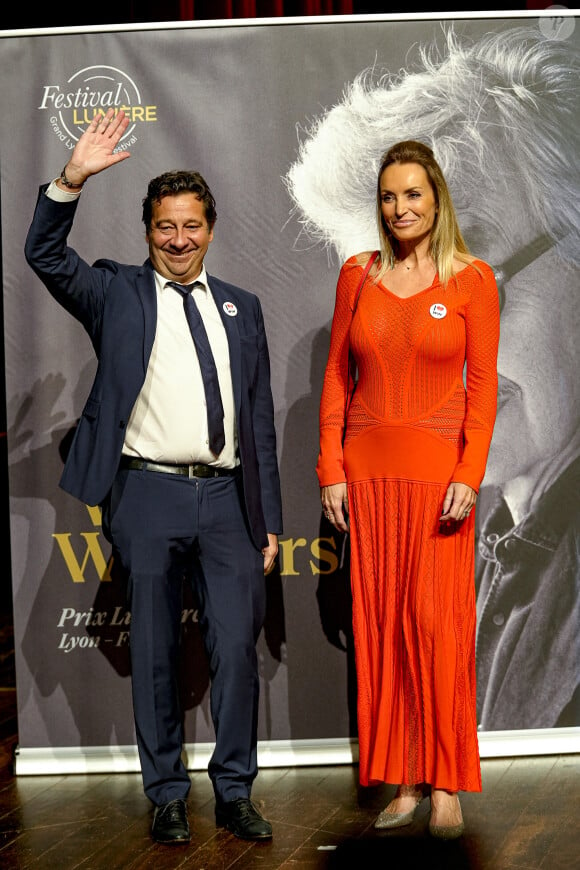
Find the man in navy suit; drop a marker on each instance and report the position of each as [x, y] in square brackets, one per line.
[174, 504]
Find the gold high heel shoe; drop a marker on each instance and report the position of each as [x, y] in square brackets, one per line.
[386, 819]
[446, 832]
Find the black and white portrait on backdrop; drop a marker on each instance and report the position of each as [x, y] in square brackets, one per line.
[501, 114]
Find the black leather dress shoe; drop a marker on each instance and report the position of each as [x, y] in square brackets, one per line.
[243, 819]
[170, 823]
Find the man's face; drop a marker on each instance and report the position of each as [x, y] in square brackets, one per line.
[179, 237]
[539, 387]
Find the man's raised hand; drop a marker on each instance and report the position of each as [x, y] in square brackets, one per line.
[95, 149]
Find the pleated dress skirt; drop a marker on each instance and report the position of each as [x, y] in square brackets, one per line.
[413, 612]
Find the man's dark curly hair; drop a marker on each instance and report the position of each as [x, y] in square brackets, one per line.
[174, 182]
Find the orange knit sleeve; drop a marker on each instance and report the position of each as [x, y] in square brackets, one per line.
[336, 378]
[482, 340]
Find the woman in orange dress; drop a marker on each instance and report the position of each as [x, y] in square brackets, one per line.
[402, 475]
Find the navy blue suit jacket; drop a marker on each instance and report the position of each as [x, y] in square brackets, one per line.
[117, 306]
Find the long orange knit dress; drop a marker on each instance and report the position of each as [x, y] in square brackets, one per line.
[412, 428]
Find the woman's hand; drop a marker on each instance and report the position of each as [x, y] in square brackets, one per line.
[334, 500]
[458, 503]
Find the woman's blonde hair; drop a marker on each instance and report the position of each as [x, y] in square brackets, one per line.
[446, 241]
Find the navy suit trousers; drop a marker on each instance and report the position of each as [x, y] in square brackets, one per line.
[167, 530]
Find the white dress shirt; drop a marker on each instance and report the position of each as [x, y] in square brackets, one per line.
[169, 419]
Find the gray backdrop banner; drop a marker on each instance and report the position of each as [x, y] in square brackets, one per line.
[287, 121]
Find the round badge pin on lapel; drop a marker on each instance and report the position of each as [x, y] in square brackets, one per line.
[230, 309]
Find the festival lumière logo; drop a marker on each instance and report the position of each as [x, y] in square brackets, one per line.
[91, 90]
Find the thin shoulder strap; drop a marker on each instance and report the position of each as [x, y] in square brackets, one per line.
[367, 269]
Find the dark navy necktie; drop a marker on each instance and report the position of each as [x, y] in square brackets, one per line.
[215, 408]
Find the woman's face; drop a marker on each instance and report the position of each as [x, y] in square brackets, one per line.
[408, 202]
